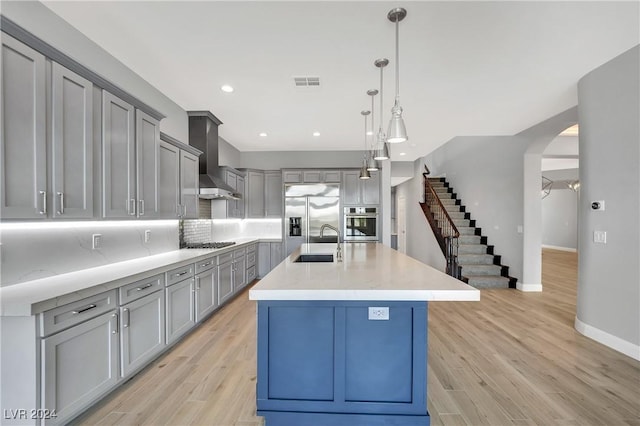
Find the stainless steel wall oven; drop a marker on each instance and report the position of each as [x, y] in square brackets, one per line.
[361, 224]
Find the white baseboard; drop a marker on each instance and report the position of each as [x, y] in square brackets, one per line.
[528, 287]
[607, 339]
[573, 250]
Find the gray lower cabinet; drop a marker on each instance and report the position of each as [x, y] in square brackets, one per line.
[264, 259]
[181, 315]
[206, 293]
[142, 331]
[225, 282]
[80, 365]
[239, 273]
[276, 254]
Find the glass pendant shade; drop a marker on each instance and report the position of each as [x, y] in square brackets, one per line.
[382, 153]
[397, 132]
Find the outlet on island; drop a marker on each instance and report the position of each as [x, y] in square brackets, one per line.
[96, 241]
[379, 313]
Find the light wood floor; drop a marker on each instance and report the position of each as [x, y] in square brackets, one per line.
[511, 359]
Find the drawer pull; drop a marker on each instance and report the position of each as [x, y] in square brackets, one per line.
[205, 264]
[85, 309]
[179, 274]
[143, 287]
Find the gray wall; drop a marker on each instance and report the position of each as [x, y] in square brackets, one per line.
[43, 23]
[487, 174]
[560, 219]
[608, 283]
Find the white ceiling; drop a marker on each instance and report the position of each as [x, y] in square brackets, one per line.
[467, 68]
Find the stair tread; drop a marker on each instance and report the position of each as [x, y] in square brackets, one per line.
[475, 259]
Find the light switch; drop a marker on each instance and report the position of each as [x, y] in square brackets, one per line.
[600, 237]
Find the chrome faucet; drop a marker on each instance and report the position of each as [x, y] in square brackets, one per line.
[339, 249]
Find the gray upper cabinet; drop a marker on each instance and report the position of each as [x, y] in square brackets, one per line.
[230, 209]
[255, 194]
[311, 176]
[356, 191]
[273, 194]
[147, 149]
[118, 158]
[263, 194]
[72, 144]
[130, 155]
[169, 188]
[188, 185]
[23, 132]
[292, 176]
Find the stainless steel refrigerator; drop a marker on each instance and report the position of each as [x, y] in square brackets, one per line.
[306, 208]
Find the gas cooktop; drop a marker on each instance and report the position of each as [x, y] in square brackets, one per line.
[215, 245]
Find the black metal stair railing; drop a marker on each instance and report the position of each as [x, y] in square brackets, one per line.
[443, 227]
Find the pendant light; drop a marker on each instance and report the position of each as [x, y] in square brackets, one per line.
[364, 173]
[372, 164]
[382, 148]
[397, 131]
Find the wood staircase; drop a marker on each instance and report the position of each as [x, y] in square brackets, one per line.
[477, 264]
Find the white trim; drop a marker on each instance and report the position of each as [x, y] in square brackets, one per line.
[607, 339]
[528, 287]
[574, 250]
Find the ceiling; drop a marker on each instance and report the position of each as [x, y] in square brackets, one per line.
[466, 68]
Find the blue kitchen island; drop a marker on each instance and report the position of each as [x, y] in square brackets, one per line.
[345, 343]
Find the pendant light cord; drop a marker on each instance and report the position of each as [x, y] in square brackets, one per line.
[380, 131]
[397, 60]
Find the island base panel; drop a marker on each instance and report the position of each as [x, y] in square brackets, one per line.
[279, 418]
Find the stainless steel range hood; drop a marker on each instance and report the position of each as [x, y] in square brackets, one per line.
[203, 134]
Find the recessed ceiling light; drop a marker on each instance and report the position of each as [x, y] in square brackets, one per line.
[316, 134]
[226, 88]
[369, 133]
[263, 135]
[403, 153]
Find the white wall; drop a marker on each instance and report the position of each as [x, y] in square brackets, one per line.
[46, 25]
[487, 174]
[608, 306]
[560, 219]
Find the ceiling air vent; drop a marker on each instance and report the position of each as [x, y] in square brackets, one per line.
[306, 81]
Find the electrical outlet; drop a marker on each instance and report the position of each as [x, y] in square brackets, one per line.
[147, 235]
[96, 241]
[379, 313]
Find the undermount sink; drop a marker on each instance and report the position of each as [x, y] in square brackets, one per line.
[314, 258]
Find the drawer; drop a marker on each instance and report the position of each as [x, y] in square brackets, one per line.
[179, 274]
[205, 264]
[251, 259]
[239, 253]
[251, 274]
[251, 248]
[136, 290]
[65, 316]
[224, 258]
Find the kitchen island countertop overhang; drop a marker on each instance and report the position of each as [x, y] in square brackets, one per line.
[369, 271]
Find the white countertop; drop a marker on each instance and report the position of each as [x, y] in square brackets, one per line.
[37, 296]
[368, 272]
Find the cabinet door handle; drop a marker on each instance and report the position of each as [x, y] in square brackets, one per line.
[184, 210]
[132, 207]
[43, 210]
[141, 207]
[178, 210]
[197, 283]
[143, 287]
[125, 322]
[85, 309]
[114, 330]
[61, 202]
